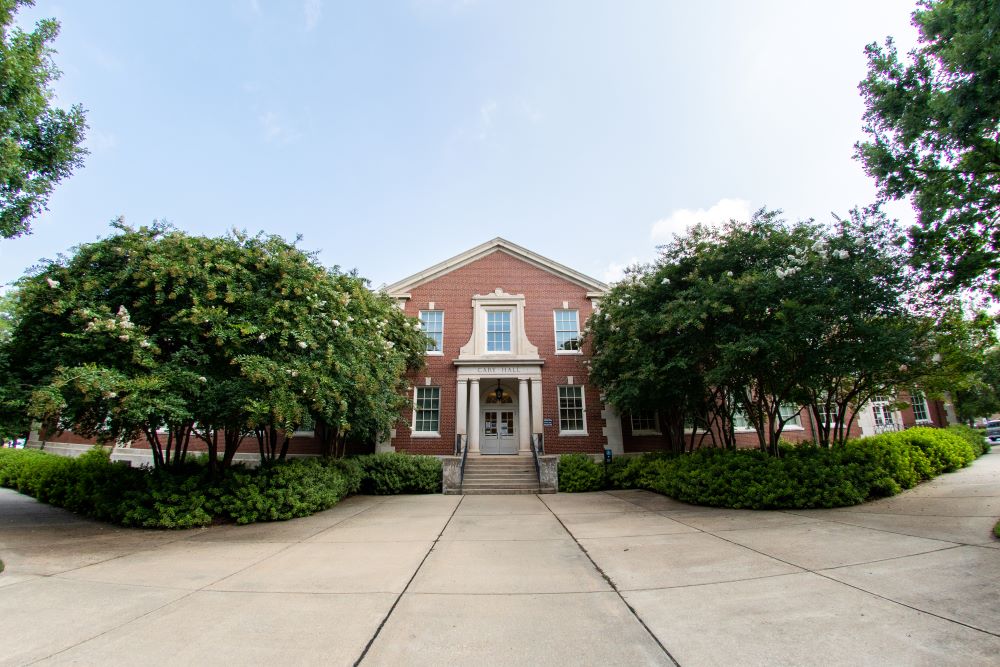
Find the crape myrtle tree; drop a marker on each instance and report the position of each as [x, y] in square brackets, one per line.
[759, 318]
[153, 332]
[39, 144]
[933, 122]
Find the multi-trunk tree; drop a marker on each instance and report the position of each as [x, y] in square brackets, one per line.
[757, 319]
[173, 337]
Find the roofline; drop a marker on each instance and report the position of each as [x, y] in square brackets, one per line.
[401, 288]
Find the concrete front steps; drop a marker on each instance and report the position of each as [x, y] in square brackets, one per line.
[499, 475]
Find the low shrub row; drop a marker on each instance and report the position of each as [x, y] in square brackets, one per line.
[801, 477]
[186, 497]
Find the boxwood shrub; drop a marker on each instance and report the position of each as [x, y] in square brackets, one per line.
[186, 497]
[579, 472]
[801, 477]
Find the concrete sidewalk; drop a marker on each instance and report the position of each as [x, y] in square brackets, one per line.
[619, 578]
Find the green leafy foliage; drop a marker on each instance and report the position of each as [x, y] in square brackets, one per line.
[934, 129]
[152, 332]
[579, 472]
[757, 315]
[801, 477]
[39, 144]
[387, 474]
[187, 496]
[975, 437]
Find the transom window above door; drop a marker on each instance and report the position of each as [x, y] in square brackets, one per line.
[498, 331]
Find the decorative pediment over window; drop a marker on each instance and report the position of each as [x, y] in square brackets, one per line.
[498, 329]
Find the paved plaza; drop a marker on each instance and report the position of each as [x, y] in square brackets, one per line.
[617, 578]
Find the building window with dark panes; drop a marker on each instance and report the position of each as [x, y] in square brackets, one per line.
[427, 411]
[571, 410]
[567, 330]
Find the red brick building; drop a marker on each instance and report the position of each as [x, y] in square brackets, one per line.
[506, 363]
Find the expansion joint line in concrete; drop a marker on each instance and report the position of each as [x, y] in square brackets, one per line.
[399, 597]
[610, 583]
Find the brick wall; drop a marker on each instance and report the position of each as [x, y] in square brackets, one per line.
[544, 293]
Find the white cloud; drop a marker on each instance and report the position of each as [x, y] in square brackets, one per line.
[275, 131]
[679, 220]
[616, 271]
[487, 111]
[313, 9]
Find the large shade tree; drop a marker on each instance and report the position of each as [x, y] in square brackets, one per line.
[156, 333]
[759, 318]
[933, 122]
[40, 144]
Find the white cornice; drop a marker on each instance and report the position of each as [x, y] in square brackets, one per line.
[401, 289]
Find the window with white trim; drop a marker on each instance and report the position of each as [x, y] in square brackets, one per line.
[881, 411]
[919, 403]
[791, 414]
[427, 409]
[644, 422]
[432, 324]
[829, 417]
[498, 331]
[741, 422]
[571, 409]
[567, 330]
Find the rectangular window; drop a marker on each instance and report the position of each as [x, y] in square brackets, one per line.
[571, 409]
[567, 330]
[881, 411]
[498, 331]
[644, 421]
[427, 410]
[919, 403]
[792, 414]
[432, 324]
[741, 422]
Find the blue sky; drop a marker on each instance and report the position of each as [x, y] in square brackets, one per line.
[392, 135]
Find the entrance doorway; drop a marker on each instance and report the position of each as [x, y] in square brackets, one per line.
[499, 434]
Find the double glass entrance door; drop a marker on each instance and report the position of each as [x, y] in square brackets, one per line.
[498, 436]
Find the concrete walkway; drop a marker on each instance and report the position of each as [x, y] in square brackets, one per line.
[620, 578]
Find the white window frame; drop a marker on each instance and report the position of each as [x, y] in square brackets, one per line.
[739, 414]
[556, 330]
[583, 408]
[438, 352]
[881, 413]
[645, 431]
[795, 423]
[413, 423]
[306, 432]
[918, 397]
[510, 330]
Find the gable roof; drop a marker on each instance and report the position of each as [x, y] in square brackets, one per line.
[401, 288]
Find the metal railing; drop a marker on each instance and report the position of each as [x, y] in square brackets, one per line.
[888, 428]
[537, 444]
[461, 447]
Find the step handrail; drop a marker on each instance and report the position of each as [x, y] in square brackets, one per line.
[536, 446]
[462, 445]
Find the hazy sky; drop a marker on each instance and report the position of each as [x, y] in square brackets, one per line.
[393, 135]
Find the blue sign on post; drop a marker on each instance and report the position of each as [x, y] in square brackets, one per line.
[607, 456]
[547, 422]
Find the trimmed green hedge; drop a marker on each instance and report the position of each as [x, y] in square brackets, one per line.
[93, 486]
[801, 477]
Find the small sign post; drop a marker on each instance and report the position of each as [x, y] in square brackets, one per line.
[547, 421]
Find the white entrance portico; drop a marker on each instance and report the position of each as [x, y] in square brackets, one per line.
[500, 424]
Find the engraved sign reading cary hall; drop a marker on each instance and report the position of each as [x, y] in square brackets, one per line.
[497, 370]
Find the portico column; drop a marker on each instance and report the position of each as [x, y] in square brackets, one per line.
[474, 416]
[461, 406]
[523, 418]
[536, 405]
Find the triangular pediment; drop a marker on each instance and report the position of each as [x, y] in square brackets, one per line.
[402, 288]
